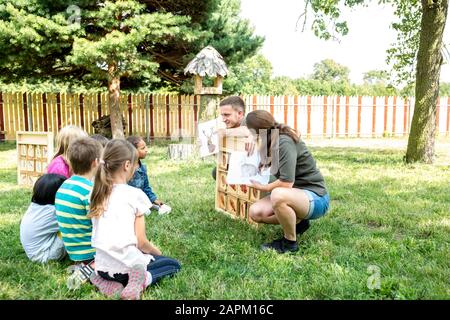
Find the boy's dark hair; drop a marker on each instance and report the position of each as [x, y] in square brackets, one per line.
[44, 189]
[134, 140]
[102, 139]
[235, 101]
[82, 152]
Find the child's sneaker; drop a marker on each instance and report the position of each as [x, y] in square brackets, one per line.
[136, 284]
[80, 274]
[107, 287]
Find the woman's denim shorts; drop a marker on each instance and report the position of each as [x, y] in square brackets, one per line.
[318, 206]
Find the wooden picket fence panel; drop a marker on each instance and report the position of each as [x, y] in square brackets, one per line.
[344, 116]
[175, 116]
[147, 115]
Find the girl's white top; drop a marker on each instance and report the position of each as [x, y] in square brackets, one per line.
[113, 233]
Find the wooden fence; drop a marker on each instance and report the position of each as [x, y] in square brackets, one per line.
[165, 116]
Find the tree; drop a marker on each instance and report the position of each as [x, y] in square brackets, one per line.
[376, 77]
[135, 43]
[113, 53]
[330, 70]
[421, 42]
[252, 76]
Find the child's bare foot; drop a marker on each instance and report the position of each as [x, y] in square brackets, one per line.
[107, 287]
[135, 286]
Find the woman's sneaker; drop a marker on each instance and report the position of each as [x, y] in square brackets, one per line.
[281, 245]
[302, 226]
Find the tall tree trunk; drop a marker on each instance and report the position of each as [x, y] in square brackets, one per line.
[429, 61]
[114, 106]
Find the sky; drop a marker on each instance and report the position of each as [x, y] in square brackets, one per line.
[294, 53]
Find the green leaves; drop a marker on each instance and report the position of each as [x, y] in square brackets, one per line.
[43, 39]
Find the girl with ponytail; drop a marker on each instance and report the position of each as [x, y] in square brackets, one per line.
[298, 194]
[126, 262]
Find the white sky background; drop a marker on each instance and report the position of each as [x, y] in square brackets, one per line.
[293, 53]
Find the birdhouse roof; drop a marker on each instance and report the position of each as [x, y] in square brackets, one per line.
[207, 62]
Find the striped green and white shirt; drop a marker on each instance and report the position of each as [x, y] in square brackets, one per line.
[72, 208]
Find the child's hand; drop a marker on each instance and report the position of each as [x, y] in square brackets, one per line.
[158, 202]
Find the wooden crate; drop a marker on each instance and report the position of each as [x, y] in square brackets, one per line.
[34, 153]
[234, 200]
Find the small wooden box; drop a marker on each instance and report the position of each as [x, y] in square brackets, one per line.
[221, 201]
[232, 205]
[232, 189]
[254, 195]
[223, 160]
[222, 180]
[243, 191]
[243, 207]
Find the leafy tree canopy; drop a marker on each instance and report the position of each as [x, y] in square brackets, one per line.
[145, 41]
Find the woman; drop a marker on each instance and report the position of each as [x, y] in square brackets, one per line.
[298, 194]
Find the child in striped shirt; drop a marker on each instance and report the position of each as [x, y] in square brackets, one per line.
[72, 199]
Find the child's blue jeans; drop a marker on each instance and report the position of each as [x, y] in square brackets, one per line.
[158, 268]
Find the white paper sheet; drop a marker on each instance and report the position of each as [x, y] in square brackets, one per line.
[207, 138]
[243, 168]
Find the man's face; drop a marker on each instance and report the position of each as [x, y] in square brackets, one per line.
[230, 116]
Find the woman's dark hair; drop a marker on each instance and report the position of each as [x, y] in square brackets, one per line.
[264, 124]
[45, 188]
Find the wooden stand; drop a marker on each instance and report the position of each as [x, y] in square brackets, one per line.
[233, 200]
[34, 153]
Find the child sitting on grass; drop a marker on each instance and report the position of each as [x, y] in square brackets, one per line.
[39, 227]
[72, 200]
[140, 178]
[126, 262]
[60, 163]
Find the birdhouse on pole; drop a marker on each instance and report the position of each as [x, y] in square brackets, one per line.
[208, 62]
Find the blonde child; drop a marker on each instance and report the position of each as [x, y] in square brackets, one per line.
[60, 162]
[126, 262]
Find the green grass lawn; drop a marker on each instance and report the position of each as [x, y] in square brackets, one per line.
[383, 213]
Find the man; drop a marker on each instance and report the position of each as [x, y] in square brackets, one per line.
[232, 111]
